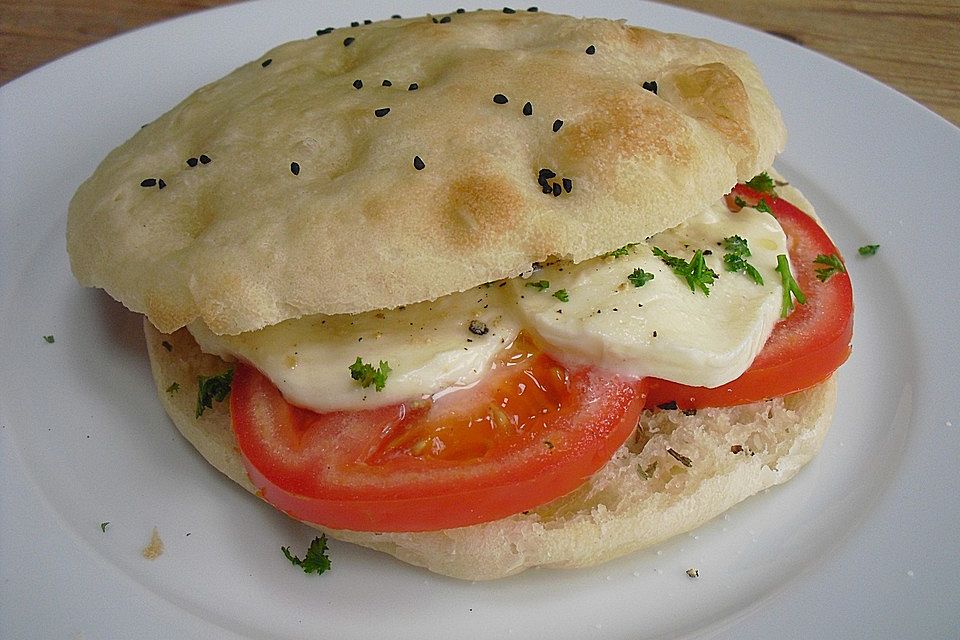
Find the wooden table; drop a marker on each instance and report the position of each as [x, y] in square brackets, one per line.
[911, 46]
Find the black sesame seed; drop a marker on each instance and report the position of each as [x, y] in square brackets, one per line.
[323, 32]
[192, 162]
[348, 41]
[368, 22]
[556, 125]
[435, 21]
[161, 184]
[266, 63]
[386, 83]
[591, 50]
[545, 174]
[445, 19]
[567, 184]
[528, 109]
[149, 182]
[358, 84]
[547, 188]
[461, 10]
[204, 158]
[532, 9]
[354, 24]
[418, 163]
[650, 86]
[556, 189]
[395, 16]
[381, 112]
[500, 99]
[295, 168]
[508, 10]
[413, 86]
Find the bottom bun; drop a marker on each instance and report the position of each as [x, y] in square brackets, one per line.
[642, 496]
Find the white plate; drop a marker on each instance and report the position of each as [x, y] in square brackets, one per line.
[863, 543]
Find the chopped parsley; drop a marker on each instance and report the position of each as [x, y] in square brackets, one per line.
[868, 249]
[210, 388]
[540, 285]
[762, 182]
[639, 277]
[736, 258]
[832, 266]
[174, 387]
[561, 295]
[103, 526]
[696, 272]
[48, 339]
[791, 289]
[740, 202]
[621, 252]
[366, 375]
[316, 561]
[763, 207]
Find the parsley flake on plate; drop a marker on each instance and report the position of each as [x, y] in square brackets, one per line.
[868, 249]
[315, 561]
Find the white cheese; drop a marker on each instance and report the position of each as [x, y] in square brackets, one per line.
[429, 347]
[662, 328]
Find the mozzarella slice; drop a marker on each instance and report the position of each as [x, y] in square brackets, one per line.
[428, 346]
[662, 328]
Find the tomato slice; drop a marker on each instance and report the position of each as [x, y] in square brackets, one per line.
[806, 347]
[529, 432]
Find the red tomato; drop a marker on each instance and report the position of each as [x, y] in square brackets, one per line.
[528, 433]
[806, 347]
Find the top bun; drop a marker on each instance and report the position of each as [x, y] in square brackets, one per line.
[293, 186]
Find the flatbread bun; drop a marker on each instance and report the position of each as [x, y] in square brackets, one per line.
[642, 496]
[399, 161]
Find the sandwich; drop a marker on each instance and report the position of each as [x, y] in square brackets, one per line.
[484, 291]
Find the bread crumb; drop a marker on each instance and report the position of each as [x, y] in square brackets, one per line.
[154, 548]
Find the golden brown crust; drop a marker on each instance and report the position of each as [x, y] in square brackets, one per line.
[733, 454]
[242, 242]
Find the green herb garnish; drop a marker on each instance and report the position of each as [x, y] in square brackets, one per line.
[316, 561]
[48, 339]
[696, 272]
[540, 285]
[366, 375]
[736, 258]
[832, 266]
[210, 388]
[174, 387]
[621, 252]
[103, 526]
[763, 207]
[868, 250]
[561, 295]
[762, 182]
[639, 277]
[791, 289]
